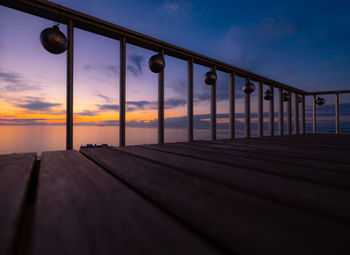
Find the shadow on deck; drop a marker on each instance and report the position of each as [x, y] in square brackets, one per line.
[271, 195]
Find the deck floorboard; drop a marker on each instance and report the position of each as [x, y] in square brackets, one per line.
[339, 158]
[268, 165]
[81, 209]
[269, 195]
[231, 218]
[15, 173]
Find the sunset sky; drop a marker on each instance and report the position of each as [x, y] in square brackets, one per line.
[303, 44]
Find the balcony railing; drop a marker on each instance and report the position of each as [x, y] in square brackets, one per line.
[74, 19]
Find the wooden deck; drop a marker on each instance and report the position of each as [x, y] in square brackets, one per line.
[271, 195]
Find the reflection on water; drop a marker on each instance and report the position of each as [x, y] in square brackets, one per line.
[48, 138]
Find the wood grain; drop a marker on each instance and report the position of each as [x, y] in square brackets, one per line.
[314, 198]
[240, 222]
[15, 172]
[81, 209]
[268, 165]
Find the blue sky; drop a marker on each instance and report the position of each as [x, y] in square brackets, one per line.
[304, 44]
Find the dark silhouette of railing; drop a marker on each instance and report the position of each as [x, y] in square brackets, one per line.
[74, 19]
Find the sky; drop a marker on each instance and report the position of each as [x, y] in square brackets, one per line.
[303, 44]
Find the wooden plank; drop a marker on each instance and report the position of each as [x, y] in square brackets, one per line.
[321, 141]
[258, 154]
[15, 172]
[81, 209]
[326, 201]
[335, 179]
[283, 151]
[334, 154]
[317, 145]
[235, 220]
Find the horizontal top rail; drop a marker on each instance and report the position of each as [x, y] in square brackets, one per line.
[48, 10]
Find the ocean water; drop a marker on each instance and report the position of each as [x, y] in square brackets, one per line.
[49, 138]
[16, 139]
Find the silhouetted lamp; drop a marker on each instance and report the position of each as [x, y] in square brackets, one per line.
[300, 99]
[53, 40]
[268, 94]
[249, 87]
[286, 96]
[320, 101]
[210, 78]
[156, 63]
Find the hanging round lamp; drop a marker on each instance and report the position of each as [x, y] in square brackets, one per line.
[249, 87]
[53, 40]
[268, 94]
[320, 101]
[286, 96]
[156, 63]
[210, 78]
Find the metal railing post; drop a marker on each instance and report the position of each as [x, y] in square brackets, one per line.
[303, 127]
[232, 101]
[289, 114]
[296, 114]
[337, 113]
[281, 113]
[260, 109]
[213, 109]
[247, 112]
[69, 106]
[190, 100]
[161, 104]
[122, 48]
[314, 114]
[272, 112]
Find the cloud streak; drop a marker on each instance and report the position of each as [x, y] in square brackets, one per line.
[37, 104]
[15, 82]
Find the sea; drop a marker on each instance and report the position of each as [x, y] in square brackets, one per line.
[19, 139]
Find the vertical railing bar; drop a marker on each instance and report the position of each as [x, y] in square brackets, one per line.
[289, 113]
[122, 91]
[272, 112]
[232, 101]
[161, 104]
[296, 114]
[213, 109]
[303, 127]
[69, 106]
[247, 111]
[281, 112]
[190, 100]
[337, 113]
[260, 109]
[314, 114]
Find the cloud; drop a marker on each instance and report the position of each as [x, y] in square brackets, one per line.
[179, 87]
[106, 98]
[136, 64]
[10, 77]
[108, 107]
[141, 105]
[254, 45]
[179, 10]
[15, 82]
[39, 121]
[170, 103]
[100, 72]
[174, 102]
[87, 113]
[36, 104]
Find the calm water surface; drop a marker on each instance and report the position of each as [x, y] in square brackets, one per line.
[49, 138]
